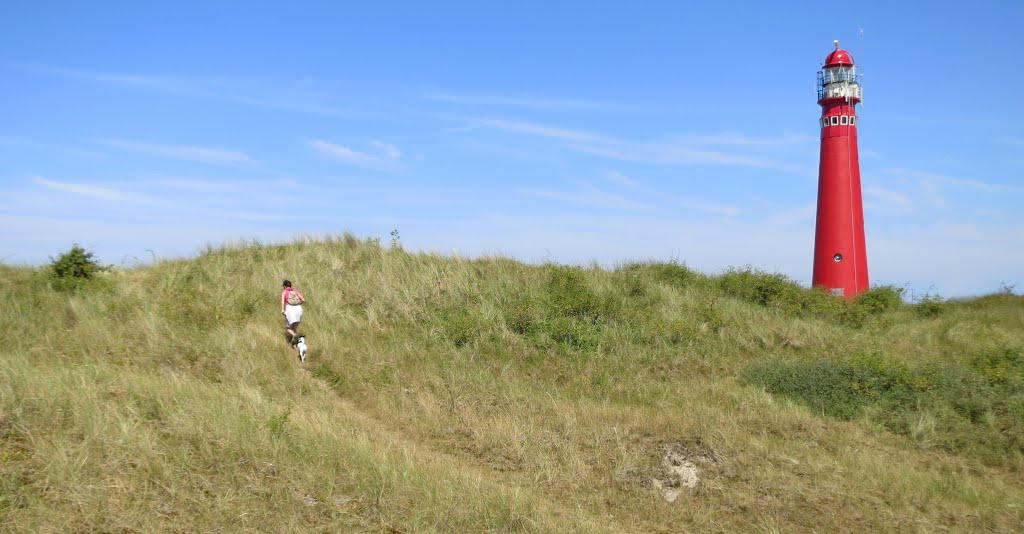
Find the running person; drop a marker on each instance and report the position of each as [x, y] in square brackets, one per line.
[291, 309]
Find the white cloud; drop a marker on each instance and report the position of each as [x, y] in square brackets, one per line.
[927, 177]
[680, 154]
[134, 80]
[387, 160]
[867, 153]
[194, 185]
[791, 216]
[529, 128]
[707, 207]
[953, 260]
[214, 156]
[339, 151]
[263, 94]
[743, 140]
[591, 196]
[931, 194]
[548, 104]
[389, 150]
[683, 152]
[89, 190]
[1015, 141]
[623, 180]
[889, 197]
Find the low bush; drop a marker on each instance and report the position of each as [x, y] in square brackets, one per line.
[977, 408]
[569, 296]
[73, 269]
[460, 325]
[674, 274]
[880, 299]
[774, 290]
[763, 288]
[930, 306]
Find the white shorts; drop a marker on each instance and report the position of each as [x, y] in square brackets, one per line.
[293, 314]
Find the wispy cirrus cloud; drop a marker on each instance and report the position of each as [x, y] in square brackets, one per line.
[733, 139]
[193, 185]
[685, 155]
[526, 102]
[661, 197]
[388, 150]
[623, 180]
[710, 207]
[33, 144]
[163, 83]
[867, 153]
[269, 94]
[590, 196]
[692, 150]
[1015, 141]
[927, 178]
[889, 198]
[385, 156]
[93, 191]
[213, 156]
[540, 130]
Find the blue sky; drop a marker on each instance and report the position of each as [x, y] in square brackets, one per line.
[546, 131]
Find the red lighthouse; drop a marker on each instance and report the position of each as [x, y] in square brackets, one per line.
[840, 255]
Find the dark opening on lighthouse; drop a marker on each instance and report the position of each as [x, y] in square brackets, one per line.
[837, 258]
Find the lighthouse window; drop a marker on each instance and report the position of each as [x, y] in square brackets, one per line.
[842, 120]
[837, 258]
[823, 122]
[835, 120]
[853, 120]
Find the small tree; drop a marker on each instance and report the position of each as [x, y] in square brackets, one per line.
[73, 268]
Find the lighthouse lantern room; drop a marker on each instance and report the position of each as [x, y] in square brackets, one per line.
[840, 253]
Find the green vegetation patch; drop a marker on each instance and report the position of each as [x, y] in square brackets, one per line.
[74, 269]
[777, 291]
[976, 407]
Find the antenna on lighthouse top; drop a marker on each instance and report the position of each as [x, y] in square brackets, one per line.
[836, 42]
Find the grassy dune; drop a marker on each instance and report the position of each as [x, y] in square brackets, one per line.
[444, 394]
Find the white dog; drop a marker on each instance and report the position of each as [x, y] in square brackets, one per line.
[301, 346]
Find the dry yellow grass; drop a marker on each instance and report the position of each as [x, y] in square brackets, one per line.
[438, 396]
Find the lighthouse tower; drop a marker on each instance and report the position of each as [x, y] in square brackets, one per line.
[840, 255]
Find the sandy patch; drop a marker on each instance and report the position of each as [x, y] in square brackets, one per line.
[679, 471]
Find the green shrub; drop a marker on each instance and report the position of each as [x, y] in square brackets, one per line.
[978, 408]
[519, 314]
[674, 274]
[1000, 366]
[571, 332]
[569, 296]
[459, 325]
[774, 290]
[930, 306]
[762, 288]
[818, 303]
[880, 299]
[839, 389]
[73, 269]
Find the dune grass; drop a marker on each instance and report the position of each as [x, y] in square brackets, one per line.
[486, 395]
